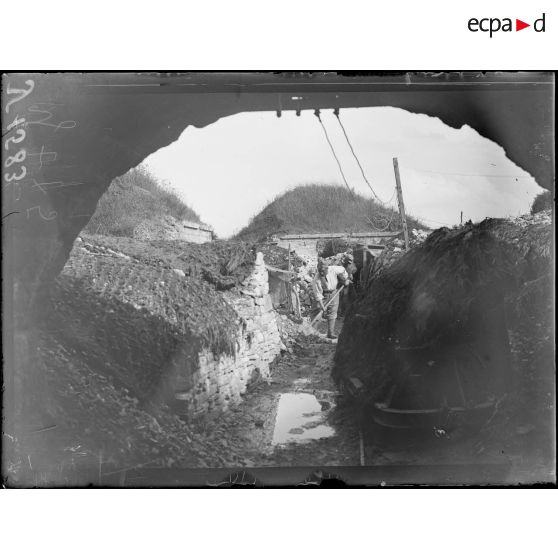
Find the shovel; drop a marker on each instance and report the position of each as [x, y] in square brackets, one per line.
[321, 312]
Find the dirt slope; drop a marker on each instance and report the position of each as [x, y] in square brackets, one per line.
[117, 323]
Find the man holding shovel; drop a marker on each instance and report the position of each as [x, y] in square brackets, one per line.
[326, 283]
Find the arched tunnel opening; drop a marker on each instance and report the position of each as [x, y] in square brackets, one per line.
[80, 132]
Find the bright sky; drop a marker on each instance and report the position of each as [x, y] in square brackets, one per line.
[229, 170]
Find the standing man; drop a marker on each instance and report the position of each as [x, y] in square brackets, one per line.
[349, 264]
[324, 285]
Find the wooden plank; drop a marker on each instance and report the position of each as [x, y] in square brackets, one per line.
[326, 236]
[277, 270]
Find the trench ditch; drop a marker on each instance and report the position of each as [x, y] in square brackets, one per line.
[294, 415]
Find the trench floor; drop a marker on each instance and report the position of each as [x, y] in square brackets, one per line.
[293, 419]
[299, 419]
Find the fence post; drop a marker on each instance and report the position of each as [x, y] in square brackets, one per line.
[289, 286]
[400, 202]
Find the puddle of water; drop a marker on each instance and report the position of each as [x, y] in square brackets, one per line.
[300, 418]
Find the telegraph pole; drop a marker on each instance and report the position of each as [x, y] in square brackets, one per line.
[400, 202]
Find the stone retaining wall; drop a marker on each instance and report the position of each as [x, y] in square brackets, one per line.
[218, 383]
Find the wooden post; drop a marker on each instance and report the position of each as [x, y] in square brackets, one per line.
[400, 202]
[461, 219]
[289, 286]
[297, 305]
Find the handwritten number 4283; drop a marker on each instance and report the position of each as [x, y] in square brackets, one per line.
[21, 154]
[19, 136]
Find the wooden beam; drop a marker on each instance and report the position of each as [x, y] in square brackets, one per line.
[400, 202]
[288, 285]
[326, 236]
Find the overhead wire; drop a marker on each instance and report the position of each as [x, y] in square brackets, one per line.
[388, 203]
[336, 112]
[373, 225]
[317, 114]
[386, 227]
[392, 196]
[458, 174]
[516, 176]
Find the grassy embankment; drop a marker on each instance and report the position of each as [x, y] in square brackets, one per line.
[135, 197]
[317, 208]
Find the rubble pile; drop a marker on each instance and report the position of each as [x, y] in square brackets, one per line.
[392, 252]
[276, 256]
[222, 264]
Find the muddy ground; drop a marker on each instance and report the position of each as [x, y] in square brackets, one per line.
[509, 448]
[294, 420]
